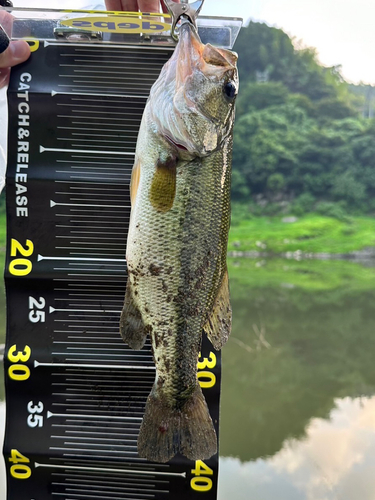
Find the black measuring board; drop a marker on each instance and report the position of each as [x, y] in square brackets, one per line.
[75, 393]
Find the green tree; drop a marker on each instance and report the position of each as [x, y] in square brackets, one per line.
[255, 96]
[298, 121]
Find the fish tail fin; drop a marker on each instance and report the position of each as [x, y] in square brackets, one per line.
[166, 431]
[132, 328]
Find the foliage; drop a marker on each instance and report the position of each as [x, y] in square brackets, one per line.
[331, 210]
[365, 99]
[300, 139]
[303, 204]
[2, 202]
[2, 231]
[254, 96]
[275, 182]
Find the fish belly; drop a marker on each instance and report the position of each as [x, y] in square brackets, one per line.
[176, 263]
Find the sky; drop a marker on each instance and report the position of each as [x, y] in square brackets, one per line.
[334, 460]
[342, 31]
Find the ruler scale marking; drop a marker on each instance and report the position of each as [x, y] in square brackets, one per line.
[95, 380]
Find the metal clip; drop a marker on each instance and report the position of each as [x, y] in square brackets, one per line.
[184, 9]
[74, 34]
[6, 3]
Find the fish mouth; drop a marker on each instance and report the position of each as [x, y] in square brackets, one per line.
[188, 53]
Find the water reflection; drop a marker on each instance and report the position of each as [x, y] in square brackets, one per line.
[321, 337]
[298, 405]
[335, 460]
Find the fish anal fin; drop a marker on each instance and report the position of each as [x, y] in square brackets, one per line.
[166, 431]
[134, 182]
[132, 328]
[163, 185]
[219, 322]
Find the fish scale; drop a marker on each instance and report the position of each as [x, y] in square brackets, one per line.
[76, 394]
[177, 241]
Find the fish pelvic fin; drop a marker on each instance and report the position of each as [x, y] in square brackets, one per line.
[166, 431]
[132, 328]
[219, 322]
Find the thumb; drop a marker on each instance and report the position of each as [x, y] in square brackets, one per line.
[16, 53]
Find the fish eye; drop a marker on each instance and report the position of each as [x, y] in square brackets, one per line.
[230, 90]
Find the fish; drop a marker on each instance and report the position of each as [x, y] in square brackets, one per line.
[177, 284]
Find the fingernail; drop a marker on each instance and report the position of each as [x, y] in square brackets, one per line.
[4, 40]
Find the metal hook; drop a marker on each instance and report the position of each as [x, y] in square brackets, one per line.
[184, 9]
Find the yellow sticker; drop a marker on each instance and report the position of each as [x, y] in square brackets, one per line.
[117, 13]
[116, 24]
[33, 44]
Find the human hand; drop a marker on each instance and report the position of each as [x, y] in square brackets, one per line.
[11, 53]
[135, 5]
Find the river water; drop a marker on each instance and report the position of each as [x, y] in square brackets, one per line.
[298, 389]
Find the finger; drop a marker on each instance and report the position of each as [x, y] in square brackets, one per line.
[126, 5]
[6, 21]
[113, 4]
[149, 5]
[16, 53]
[129, 5]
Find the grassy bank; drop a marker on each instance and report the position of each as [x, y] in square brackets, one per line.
[310, 233]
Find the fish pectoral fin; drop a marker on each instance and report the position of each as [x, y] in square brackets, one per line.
[166, 431]
[219, 322]
[132, 327]
[134, 181]
[163, 185]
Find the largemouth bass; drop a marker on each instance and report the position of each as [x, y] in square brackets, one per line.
[177, 242]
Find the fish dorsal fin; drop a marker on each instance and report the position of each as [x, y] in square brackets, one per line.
[229, 55]
[219, 57]
[134, 183]
[218, 324]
